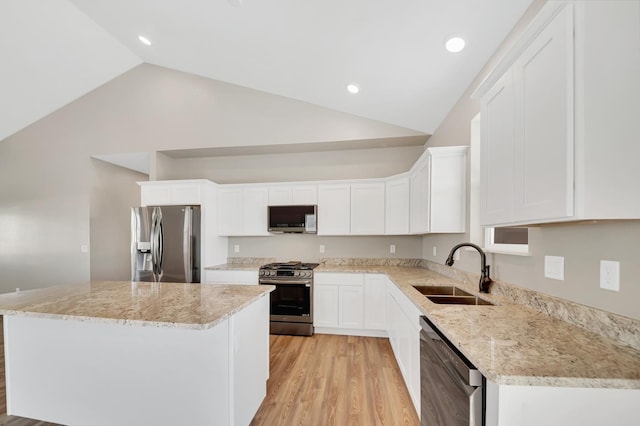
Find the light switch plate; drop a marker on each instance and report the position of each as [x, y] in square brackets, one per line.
[554, 267]
[610, 275]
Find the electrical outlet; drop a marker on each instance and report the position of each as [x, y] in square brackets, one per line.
[17, 289]
[321, 248]
[434, 251]
[554, 267]
[236, 248]
[84, 248]
[610, 275]
[392, 248]
[456, 255]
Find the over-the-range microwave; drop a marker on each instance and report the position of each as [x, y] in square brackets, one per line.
[292, 219]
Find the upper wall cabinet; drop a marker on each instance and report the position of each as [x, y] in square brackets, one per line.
[438, 191]
[242, 210]
[367, 208]
[282, 195]
[559, 119]
[397, 206]
[167, 193]
[334, 209]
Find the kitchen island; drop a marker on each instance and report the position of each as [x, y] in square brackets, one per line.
[137, 353]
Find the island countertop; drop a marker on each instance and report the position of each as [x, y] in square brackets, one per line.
[169, 305]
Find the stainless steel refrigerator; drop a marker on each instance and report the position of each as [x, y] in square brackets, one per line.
[165, 244]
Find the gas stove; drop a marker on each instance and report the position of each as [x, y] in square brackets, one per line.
[287, 270]
[291, 310]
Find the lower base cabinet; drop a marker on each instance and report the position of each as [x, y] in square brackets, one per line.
[404, 336]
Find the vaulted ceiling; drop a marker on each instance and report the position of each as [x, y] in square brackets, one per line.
[54, 51]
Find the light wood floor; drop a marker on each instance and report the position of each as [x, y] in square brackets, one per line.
[319, 380]
[334, 380]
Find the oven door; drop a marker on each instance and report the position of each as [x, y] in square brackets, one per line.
[291, 301]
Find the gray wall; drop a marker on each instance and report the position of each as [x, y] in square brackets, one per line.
[114, 190]
[46, 172]
[306, 248]
[583, 244]
[328, 165]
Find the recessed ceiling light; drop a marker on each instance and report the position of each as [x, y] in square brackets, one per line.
[144, 40]
[455, 44]
[353, 88]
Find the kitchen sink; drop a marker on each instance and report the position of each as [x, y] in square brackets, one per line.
[441, 290]
[459, 300]
[450, 295]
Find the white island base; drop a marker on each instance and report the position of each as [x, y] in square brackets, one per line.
[89, 372]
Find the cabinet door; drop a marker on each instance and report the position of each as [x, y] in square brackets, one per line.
[218, 277]
[185, 194]
[544, 141]
[230, 211]
[325, 305]
[334, 209]
[397, 206]
[375, 302]
[496, 153]
[304, 194]
[155, 195]
[350, 302]
[448, 189]
[367, 209]
[280, 195]
[254, 207]
[419, 197]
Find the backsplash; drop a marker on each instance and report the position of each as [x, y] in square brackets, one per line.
[355, 261]
[619, 328]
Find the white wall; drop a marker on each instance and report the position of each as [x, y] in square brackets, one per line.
[46, 168]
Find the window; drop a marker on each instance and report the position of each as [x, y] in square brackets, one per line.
[512, 240]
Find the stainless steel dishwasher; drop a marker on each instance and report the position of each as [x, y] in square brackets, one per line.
[452, 389]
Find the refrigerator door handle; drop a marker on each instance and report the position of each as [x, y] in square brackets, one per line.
[187, 243]
[156, 243]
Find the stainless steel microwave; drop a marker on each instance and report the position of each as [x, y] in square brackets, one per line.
[293, 219]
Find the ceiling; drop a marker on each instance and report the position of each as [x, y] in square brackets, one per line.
[56, 51]
[311, 49]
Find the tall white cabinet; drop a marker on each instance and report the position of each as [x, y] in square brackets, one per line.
[560, 119]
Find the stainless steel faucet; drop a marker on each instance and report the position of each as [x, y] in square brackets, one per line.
[485, 279]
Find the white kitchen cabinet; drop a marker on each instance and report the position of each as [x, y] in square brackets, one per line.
[282, 195]
[496, 164]
[243, 210]
[447, 189]
[438, 191]
[338, 300]
[249, 359]
[254, 210]
[231, 277]
[367, 208]
[171, 193]
[559, 119]
[419, 197]
[404, 336]
[375, 301]
[508, 405]
[334, 209]
[397, 206]
[325, 305]
[350, 306]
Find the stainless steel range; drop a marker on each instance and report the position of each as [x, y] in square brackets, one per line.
[292, 300]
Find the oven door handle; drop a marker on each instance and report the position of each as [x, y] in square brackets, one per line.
[306, 283]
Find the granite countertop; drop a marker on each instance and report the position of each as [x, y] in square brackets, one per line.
[512, 344]
[171, 305]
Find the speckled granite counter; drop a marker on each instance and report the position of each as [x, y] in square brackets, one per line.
[512, 344]
[172, 305]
